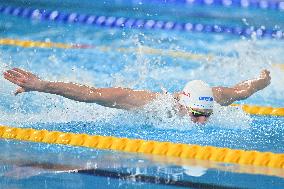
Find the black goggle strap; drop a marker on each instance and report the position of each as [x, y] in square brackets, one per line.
[198, 114]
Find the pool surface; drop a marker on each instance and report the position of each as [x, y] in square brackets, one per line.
[117, 57]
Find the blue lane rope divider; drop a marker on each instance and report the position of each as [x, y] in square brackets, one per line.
[122, 22]
[257, 4]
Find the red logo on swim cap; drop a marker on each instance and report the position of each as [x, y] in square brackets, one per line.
[186, 94]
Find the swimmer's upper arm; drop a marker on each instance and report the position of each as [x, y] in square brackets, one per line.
[225, 95]
[122, 98]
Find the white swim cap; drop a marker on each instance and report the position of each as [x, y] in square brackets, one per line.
[197, 94]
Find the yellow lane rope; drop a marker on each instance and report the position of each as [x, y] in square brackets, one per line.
[161, 52]
[142, 49]
[224, 155]
[280, 66]
[30, 44]
[262, 110]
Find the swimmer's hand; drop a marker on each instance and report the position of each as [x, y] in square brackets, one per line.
[227, 95]
[25, 80]
[264, 79]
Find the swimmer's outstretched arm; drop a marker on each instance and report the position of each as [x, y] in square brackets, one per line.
[227, 95]
[121, 98]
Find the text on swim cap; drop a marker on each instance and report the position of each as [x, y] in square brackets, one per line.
[206, 98]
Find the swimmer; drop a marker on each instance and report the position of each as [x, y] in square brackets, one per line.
[195, 100]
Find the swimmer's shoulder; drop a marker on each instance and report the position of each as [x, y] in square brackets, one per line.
[176, 95]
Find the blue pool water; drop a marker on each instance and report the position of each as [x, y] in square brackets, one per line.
[233, 59]
[31, 165]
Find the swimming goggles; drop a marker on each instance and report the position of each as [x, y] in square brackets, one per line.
[198, 114]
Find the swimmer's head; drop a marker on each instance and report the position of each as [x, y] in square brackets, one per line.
[197, 98]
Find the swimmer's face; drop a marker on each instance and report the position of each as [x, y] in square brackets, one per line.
[199, 115]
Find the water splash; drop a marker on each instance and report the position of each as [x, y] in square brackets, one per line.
[143, 71]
